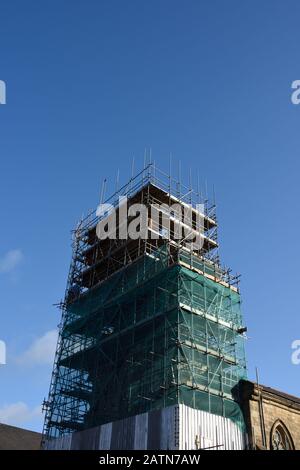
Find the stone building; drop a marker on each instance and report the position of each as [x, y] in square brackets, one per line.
[13, 438]
[272, 418]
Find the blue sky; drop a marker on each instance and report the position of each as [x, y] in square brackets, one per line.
[90, 84]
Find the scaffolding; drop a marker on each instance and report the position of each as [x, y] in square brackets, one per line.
[146, 323]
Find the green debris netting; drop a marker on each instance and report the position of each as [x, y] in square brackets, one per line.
[151, 336]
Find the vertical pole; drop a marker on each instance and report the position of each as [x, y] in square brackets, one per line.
[214, 196]
[102, 194]
[144, 168]
[170, 172]
[150, 165]
[132, 173]
[117, 180]
[261, 411]
[179, 179]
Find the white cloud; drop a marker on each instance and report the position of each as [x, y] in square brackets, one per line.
[41, 351]
[18, 414]
[10, 261]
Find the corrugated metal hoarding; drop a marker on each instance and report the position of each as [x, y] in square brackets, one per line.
[176, 427]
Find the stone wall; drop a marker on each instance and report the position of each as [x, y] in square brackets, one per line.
[265, 409]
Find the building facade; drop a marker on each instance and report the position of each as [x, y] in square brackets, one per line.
[14, 438]
[272, 417]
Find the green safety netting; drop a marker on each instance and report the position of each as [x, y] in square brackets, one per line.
[150, 336]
